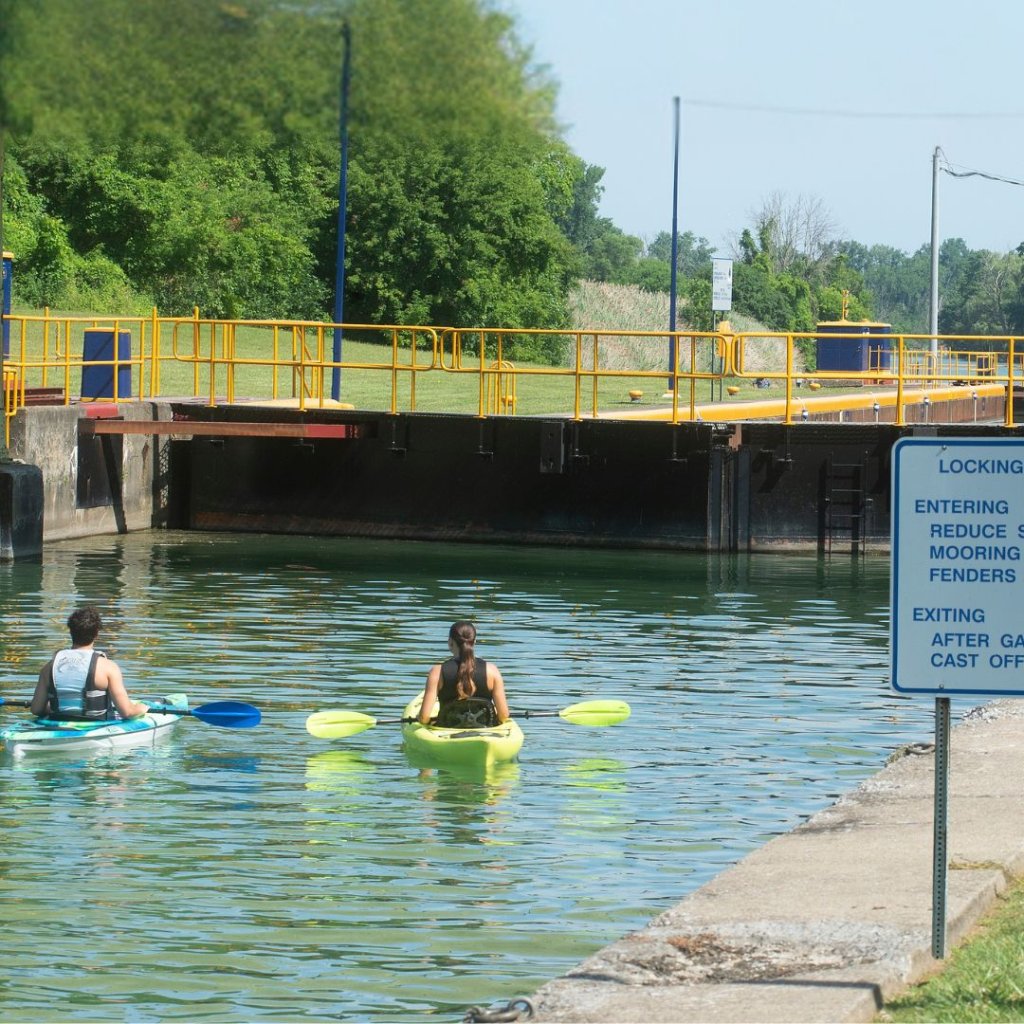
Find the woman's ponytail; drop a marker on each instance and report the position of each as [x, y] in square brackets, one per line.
[463, 634]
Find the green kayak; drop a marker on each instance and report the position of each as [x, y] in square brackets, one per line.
[481, 748]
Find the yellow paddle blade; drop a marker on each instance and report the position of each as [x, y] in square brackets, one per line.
[596, 712]
[336, 725]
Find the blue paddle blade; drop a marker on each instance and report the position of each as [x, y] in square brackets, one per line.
[228, 714]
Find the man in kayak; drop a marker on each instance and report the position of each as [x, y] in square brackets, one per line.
[469, 690]
[81, 683]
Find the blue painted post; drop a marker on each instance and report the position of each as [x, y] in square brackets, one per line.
[339, 270]
[7, 271]
[675, 250]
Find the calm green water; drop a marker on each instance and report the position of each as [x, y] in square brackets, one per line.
[263, 875]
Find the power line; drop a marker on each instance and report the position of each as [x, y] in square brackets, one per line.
[970, 172]
[888, 115]
[980, 174]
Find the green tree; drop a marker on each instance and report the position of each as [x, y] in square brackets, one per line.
[653, 275]
[579, 222]
[611, 254]
[695, 302]
[791, 275]
[195, 145]
[987, 297]
[693, 253]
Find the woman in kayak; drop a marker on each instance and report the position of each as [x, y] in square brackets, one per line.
[81, 683]
[469, 690]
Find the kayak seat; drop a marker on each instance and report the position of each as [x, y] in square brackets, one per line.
[472, 713]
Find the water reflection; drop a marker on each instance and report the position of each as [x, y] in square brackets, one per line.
[602, 773]
[337, 771]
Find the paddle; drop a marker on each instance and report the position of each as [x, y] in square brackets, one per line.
[337, 725]
[228, 714]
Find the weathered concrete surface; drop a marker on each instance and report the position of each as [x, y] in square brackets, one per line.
[21, 511]
[134, 471]
[825, 922]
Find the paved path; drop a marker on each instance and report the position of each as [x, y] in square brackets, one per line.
[825, 922]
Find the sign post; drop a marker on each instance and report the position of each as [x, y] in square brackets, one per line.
[721, 302]
[956, 586]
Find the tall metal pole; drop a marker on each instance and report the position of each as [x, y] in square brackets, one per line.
[339, 269]
[5, 269]
[675, 248]
[933, 297]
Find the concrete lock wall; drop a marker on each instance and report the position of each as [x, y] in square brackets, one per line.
[98, 484]
[460, 478]
[631, 484]
[692, 486]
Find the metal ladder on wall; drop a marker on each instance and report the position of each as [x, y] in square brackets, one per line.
[846, 504]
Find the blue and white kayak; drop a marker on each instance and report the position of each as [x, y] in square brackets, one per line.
[47, 736]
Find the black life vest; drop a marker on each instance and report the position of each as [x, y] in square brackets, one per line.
[472, 712]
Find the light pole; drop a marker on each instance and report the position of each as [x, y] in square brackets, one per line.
[933, 295]
[339, 268]
[675, 250]
[5, 269]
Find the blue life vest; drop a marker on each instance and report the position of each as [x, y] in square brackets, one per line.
[73, 692]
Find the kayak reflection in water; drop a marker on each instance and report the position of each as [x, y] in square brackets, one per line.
[80, 683]
[470, 691]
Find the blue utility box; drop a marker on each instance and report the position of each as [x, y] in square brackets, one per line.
[871, 349]
[98, 380]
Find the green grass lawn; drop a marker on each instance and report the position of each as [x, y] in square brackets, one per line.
[983, 980]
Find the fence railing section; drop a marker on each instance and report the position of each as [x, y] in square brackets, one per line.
[478, 371]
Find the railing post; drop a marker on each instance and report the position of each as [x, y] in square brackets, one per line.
[394, 372]
[789, 378]
[673, 343]
[196, 348]
[154, 353]
[577, 384]
[693, 379]
[67, 354]
[213, 364]
[481, 402]
[1009, 384]
[900, 366]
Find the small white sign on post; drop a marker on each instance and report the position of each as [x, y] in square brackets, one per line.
[721, 284]
[958, 566]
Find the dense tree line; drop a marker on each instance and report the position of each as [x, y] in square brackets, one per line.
[789, 283]
[186, 152]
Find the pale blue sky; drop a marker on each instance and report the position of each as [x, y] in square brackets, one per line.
[956, 68]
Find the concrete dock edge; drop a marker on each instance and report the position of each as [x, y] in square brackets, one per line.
[825, 922]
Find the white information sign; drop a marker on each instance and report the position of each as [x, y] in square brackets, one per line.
[721, 284]
[957, 600]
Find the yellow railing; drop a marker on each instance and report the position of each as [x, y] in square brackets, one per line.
[589, 363]
[298, 364]
[14, 399]
[304, 363]
[905, 363]
[204, 359]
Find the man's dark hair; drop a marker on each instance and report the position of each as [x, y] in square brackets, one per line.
[85, 625]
